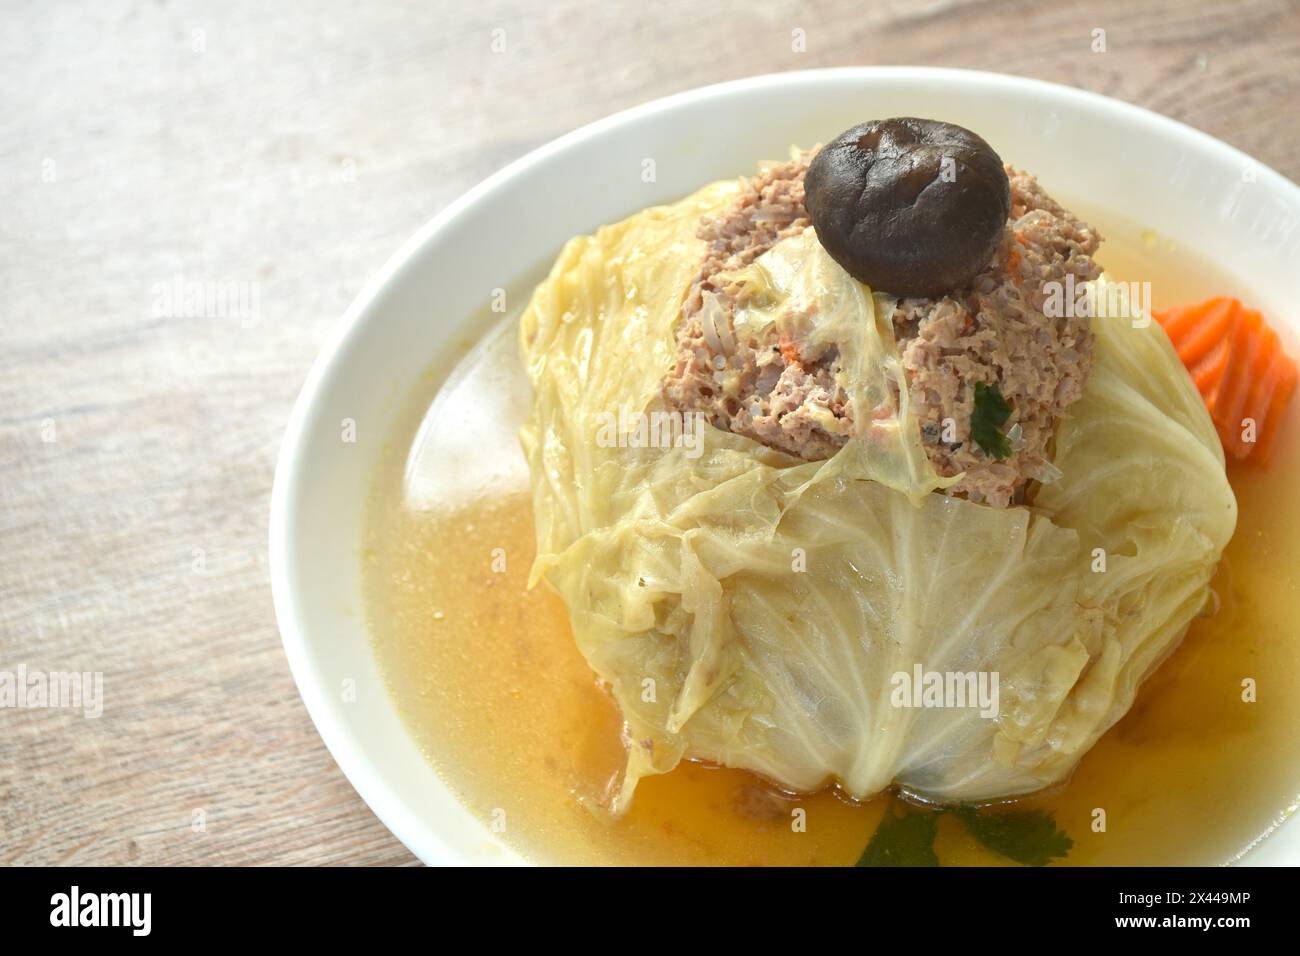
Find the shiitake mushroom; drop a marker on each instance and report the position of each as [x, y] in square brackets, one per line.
[912, 207]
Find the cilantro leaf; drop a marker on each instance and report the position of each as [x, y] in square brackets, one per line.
[903, 841]
[987, 418]
[1026, 836]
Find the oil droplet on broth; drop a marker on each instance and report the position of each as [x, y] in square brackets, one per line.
[487, 677]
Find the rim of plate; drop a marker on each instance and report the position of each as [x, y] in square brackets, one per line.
[291, 463]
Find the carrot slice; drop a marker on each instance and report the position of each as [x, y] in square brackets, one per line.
[1243, 365]
[1239, 366]
[1277, 405]
[1200, 332]
[1275, 381]
[1208, 372]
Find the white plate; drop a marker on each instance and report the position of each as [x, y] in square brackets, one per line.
[1124, 159]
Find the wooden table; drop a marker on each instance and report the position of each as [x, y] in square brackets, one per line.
[290, 151]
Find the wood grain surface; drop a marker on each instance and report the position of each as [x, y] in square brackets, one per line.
[289, 149]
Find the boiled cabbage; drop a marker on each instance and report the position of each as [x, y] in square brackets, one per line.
[751, 609]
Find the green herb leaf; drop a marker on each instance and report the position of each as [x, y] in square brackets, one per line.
[1026, 836]
[903, 841]
[987, 418]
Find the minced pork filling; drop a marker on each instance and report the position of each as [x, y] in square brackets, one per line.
[992, 331]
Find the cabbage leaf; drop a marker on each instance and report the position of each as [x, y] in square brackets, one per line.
[750, 609]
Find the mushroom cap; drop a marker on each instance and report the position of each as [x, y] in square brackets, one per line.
[912, 207]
